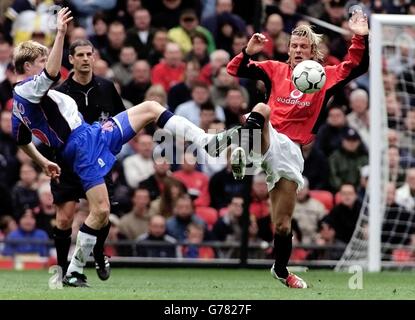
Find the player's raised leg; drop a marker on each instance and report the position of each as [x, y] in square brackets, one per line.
[283, 199]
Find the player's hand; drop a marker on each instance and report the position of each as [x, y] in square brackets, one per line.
[52, 170]
[256, 43]
[358, 23]
[63, 18]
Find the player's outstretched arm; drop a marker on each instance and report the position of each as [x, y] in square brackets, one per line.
[53, 65]
[358, 23]
[50, 168]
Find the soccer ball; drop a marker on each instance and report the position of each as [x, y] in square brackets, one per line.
[309, 76]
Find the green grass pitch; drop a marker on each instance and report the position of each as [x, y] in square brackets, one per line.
[207, 284]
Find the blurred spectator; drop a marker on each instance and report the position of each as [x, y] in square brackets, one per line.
[308, 212]
[6, 88]
[170, 70]
[223, 12]
[101, 69]
[364, 180]
[166, 13]
[235, 106]
[158, 47]
[229, 225]
[99, 37]
[199, 49]
[140, 37]
[207, 115]
[139, 166]
[135, 222]
[239, 41]
[316, 167]
[181, 92]
[191, 109]
[327, 237]
[125, 11]
[25, 17]
[24, 234]
[343, 217]
[222, 187]
[194, 180]
[287, 9]
[123, 70]
[86, 10]
[407, 134]
[194, 237]
[328, 58]
[45, 219]
[183, 215]
[7, 225]
[157, 232]
[218, 58]
[394, 110]
[24, 192]
[358, 119]
[9, 164]
[135, 90]
[259, 206]
[330, 135]
[273, 31]
[116, 37]
[222, 82]
[187, 28]
[5, 58]
[172, 190]
[396, 172]
[155, 184]
[335, 13]
[345, 163]
[399, 222]
[405, 194]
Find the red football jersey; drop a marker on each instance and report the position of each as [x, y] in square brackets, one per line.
[294, 113]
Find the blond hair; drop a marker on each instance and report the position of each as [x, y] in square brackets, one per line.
[306, 31]
[27, 51]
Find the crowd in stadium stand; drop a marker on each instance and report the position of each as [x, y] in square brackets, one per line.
[175, 52]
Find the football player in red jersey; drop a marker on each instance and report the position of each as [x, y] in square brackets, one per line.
[289, 121]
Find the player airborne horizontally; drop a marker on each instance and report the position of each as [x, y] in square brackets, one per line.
[289, 122]
[89, 150]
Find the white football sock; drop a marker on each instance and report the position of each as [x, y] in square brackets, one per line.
[179, 126]
[84, 244]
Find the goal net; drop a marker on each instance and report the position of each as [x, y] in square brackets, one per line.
[384, 236]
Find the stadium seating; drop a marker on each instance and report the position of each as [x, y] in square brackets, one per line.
[208, 214]
[325, 197]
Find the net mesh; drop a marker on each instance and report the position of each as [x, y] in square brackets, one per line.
[397, 139]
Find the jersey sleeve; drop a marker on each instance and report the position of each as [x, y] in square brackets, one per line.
[34, 88]
[354, 65]
[21, 133]
[242, 66]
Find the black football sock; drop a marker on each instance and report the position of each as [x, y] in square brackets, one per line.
[62, 240]
[282, 251]
[255, 121]
[102, 236]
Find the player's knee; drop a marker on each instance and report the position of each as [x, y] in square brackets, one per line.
[282, 228]
[101, 214]
[263, 109]
[64, 222]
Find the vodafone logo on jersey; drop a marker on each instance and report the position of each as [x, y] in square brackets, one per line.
[296, 94]
[41, 136]
[293, 99]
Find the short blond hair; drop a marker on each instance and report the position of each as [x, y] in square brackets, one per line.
[27, 51]
[306, 31]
